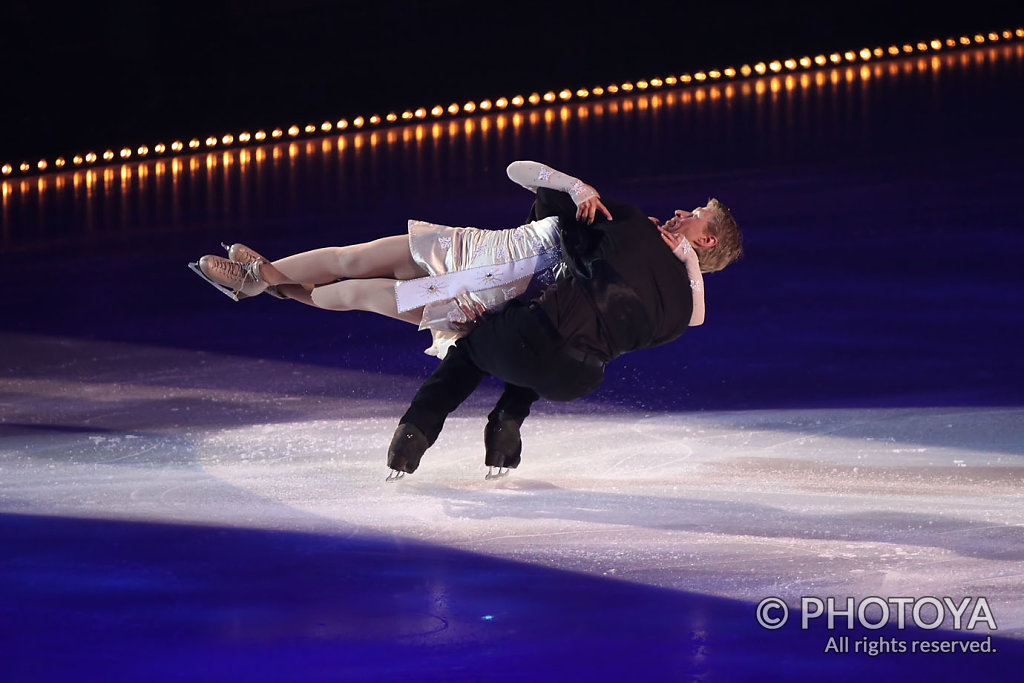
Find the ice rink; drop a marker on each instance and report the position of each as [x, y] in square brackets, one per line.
[737, 504]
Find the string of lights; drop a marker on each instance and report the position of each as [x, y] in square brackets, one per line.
[178, 147]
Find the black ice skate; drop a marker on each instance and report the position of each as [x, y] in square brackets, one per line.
[503, 447]
[407, 448]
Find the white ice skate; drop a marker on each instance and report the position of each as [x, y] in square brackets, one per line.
[235, 280]
[239, 253]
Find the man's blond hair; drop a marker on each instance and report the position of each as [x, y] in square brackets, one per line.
[729, 244]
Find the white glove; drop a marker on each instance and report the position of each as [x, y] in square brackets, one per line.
[531, 175]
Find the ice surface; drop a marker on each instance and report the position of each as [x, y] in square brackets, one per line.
[844, 502]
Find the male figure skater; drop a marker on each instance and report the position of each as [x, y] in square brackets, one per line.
[628, 291]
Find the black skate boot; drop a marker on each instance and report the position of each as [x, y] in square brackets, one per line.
[407, 447]
[503, 446]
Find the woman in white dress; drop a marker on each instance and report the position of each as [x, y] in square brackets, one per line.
[436, 275]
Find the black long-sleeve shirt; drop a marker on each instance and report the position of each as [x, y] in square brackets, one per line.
[627, 291]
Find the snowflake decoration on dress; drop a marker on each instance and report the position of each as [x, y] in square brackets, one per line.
[478, 252]
[686, 248]
[544, 174]
[445, 241]
[430, 286]
[510, 293]
[501, 255]
[695, 285]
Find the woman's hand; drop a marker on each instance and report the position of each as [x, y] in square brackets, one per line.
[473, 312]
[587, 210]
[672, 239]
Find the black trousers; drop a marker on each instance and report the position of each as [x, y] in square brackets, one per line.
[518, 346]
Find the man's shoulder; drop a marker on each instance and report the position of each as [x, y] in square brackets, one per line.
[621, 210]
[626, 217]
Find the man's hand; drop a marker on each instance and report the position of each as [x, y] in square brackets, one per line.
[586, 212]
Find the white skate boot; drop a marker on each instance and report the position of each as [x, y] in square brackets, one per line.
[239, 253]
[236, 280]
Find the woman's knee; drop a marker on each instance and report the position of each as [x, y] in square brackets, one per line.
[346, 260]
[331, 297]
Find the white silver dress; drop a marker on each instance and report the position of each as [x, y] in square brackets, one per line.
[489, 267]
[492, 267]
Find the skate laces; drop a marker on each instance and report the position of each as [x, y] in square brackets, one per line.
[238, 274]
[251, 271]
[247, 255]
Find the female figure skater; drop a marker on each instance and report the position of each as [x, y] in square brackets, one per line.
[439, 277]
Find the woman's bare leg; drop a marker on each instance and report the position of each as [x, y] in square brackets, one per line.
[388, 257]
[301, 293]
[376, 295]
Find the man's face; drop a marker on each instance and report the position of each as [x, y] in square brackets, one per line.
[693, 225]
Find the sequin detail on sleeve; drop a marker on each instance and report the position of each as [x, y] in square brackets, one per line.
[580, 192]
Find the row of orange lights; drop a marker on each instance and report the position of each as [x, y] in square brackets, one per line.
[534, 99]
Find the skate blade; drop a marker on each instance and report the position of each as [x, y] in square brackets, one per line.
[394, 476]
[491, 474]
[221, 288]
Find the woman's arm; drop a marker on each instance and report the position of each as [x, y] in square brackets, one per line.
[683, 251]
[532, 175]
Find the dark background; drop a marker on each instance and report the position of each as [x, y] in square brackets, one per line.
[79, 76]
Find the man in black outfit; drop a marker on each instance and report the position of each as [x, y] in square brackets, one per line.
[627, 291]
